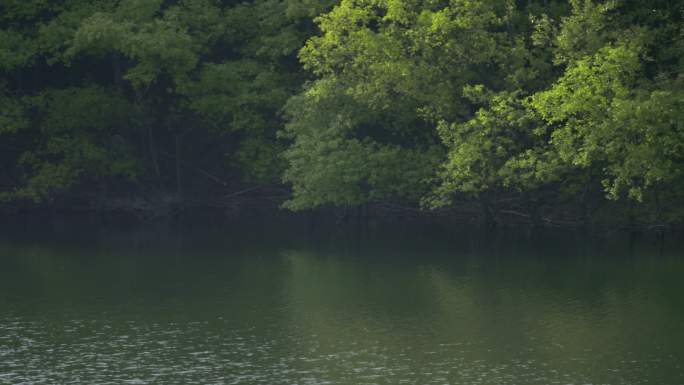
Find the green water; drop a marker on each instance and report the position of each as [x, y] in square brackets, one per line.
[413, 305]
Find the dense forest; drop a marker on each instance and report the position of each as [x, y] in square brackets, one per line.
[546, 111]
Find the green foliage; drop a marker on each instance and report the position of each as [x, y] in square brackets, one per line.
[585, 30]
[12, 113]
[388, 72]
[609, 114]
[15, 50]
[349, 101]
[605, 117]
[507, 97]
[326, 165]
[157, 45]
[483, 150]
[81, 135]
[125, 81]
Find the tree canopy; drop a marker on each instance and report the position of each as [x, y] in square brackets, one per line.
[515, 106]
[482, 100]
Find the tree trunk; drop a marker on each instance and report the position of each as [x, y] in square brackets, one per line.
[153, 151]
[487, 213]
[20, 83]
[36, 79]
[179, 184]
[116, 71]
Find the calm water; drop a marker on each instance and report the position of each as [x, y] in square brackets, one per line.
[394, 304]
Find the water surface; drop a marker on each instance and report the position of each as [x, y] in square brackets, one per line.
[414, 304]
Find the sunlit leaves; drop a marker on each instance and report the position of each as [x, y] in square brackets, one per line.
[388, 72]
[608, 116]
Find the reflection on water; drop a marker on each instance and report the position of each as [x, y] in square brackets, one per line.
[246, 307]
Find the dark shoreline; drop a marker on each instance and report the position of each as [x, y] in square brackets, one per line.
[335, 218]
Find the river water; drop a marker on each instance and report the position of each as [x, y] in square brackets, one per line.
[392, 304]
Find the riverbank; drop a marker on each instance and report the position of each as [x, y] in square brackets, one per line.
[262, 215]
